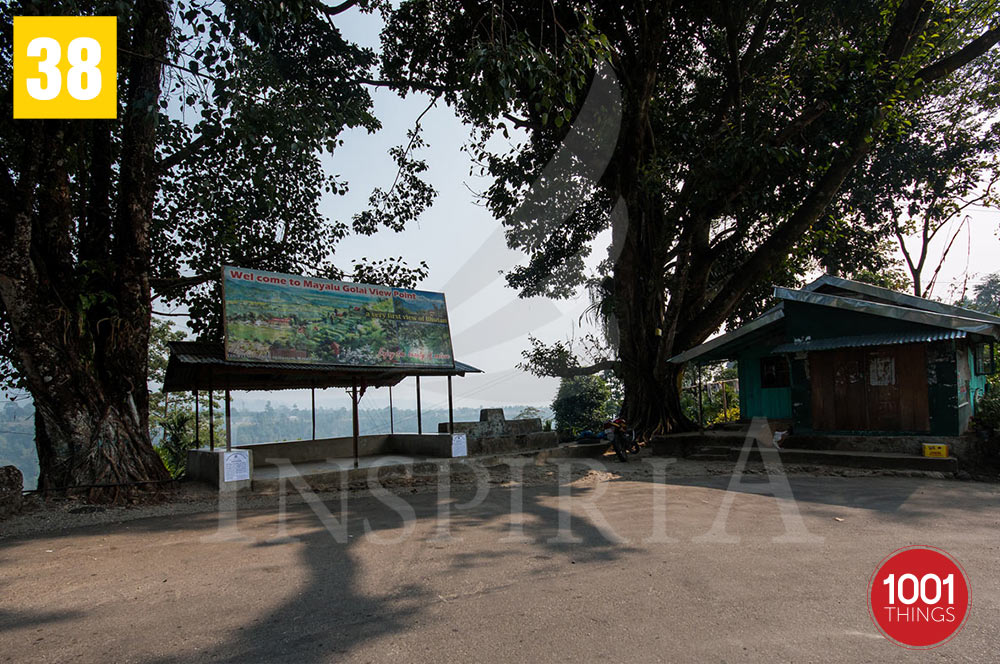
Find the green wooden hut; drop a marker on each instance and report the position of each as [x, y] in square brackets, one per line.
[839, 356]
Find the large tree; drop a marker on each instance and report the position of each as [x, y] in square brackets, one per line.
[730, 130]
[225, 109]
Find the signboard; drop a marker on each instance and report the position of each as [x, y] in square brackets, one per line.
[459, 445]
[236, 466]
[272, 317]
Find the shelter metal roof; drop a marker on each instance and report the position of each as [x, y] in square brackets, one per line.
[851, 296]
[195, 365]
[887, 339]
[936, 319]
[829, 281]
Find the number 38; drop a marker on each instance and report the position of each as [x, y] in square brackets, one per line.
[83, 55]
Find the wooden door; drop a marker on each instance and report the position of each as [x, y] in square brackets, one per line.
[870, 389]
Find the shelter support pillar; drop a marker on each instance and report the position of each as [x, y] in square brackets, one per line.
[451, 410]
[229, 425]
[313, 393]
[196, 427]
[701, 420]
[354, 417]
[420, 426]
[392, 429]
[211, 420]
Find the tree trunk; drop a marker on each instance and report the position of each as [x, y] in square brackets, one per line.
[98, 445]
[652, 386]
[76, 291]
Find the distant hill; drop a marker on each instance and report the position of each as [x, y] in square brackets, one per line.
[290, 423]
[17, 427]
[17, 441]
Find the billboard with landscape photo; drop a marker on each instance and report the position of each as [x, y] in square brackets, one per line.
[273, 317]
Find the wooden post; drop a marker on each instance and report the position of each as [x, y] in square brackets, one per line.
[211, 420]
[229, 425]
[701, 420]
[392, 428]
[354, 412]
[197, 441]
[725, 403]
[313, 391]
[420, 426]
[451, 410]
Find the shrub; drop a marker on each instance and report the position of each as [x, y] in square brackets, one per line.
[582, 403]
[987, 417]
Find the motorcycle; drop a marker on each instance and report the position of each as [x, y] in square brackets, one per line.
[623, 440]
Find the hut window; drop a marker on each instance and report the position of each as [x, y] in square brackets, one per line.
[984, 360]
[774, 372]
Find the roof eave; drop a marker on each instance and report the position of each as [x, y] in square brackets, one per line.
[775, 314]
[900, 299]
[923, 317]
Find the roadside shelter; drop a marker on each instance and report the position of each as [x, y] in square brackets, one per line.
[202, 367]
[840, 356]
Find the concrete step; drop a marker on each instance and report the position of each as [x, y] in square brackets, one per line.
[852, 459]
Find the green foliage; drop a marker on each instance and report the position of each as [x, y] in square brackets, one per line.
[582, 403]
[529, 413]
[172, 417]
[277, 85]
[985, 296]
[720, 401]
[176, 441]
[987, 417]
[892, 278]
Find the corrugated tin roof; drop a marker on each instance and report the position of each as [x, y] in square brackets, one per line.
[897, 298]
[196, 365]
[887, 339]
[951, 321]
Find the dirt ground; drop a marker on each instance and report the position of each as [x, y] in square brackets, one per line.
[58, 513]
[576, 563]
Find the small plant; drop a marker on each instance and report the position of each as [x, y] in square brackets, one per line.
[987, 417]
[178, 438]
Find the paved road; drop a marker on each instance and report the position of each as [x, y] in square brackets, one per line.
[174, 590]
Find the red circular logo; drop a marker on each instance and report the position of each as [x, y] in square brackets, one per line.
[919, 597]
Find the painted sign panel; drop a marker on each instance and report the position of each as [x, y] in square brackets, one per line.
[273, 317]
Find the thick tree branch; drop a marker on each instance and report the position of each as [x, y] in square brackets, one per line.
[780, 241]
[905, 27]
[576, 372]
[749, 57]
[186, 152]
[960, 58]
[336, 9]
[167, 286]
[408, 83]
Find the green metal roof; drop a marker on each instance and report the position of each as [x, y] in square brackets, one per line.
[851, 296]
[886, 339]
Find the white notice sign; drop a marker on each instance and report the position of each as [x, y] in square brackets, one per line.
[459, 445]
[236, 466]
